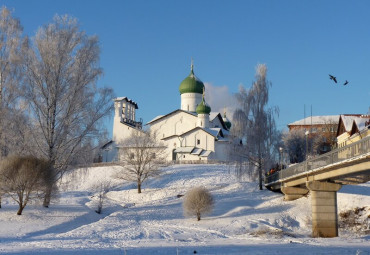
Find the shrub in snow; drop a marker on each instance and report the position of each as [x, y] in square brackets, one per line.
[102, 188]
[356, 219]
[197, 201]
[23, 178]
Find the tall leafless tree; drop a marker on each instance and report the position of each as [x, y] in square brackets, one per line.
[10, 78]
[61, 69]
[301, 146]
[257, 123]
[141, 157]
[23, 178]
[10, 57]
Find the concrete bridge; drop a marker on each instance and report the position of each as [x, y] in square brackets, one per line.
[323, 176]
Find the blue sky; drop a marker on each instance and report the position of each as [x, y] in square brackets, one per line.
[146, 47]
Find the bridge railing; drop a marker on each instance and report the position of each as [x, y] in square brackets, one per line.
[341, 154]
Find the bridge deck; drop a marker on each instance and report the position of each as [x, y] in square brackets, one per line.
[346, 165]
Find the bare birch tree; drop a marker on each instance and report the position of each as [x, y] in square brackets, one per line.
[61, 70]
[10, 78]
[259, 132]
[10, 57]
[141, 158]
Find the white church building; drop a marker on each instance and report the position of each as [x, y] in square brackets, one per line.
[192, 132]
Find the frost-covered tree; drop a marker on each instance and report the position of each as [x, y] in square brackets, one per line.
[299, 146]
[257, 131]
[198, 201]
[10, 57]
[23, 178]
[141, 158]
[61, 66]
[10, 78]
[295, 145]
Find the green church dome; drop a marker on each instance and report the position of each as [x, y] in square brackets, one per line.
[226, 121]
[203, 108]
[191, 84]
[228, 124]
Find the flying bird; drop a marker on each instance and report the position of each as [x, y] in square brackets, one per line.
[333, 78]
[346, 82]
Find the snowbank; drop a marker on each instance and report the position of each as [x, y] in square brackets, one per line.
[244, 220]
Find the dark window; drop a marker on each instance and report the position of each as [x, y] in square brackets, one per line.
[198, 141]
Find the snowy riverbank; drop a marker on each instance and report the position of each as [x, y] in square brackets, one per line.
[244, 220]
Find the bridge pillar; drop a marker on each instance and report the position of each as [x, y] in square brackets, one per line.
[293, 193]
[324, 208]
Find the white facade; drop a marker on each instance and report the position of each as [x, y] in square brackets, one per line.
[188, 135]
[186, 140]
[203, 120]
[124, 124]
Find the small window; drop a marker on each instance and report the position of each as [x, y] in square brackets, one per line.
[132, 155]
[184, 156]
[314, 130]
[153, 155]
[198, 141]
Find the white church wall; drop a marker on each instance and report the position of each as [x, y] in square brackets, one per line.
[176, 124]
[222, 151]
[121, 131]
[189, 101]
[200, 139]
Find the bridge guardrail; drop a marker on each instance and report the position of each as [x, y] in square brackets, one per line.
[341, 154]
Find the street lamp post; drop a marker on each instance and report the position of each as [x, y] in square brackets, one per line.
[280, 157]
[306, 134]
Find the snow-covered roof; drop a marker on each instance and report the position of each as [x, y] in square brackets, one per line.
[173, 112]
[184, 149]
[106, 145]
[362, 123]
[205, 153]
[196, 151]
[127, 100]
[214, 131]
[158, 117]
[213, 115]
[317, 120]
[357, 118]
[348, 121]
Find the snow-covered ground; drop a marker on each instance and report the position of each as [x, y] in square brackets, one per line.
[244, 220]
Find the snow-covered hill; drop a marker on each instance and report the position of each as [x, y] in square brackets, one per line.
[244, 220]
